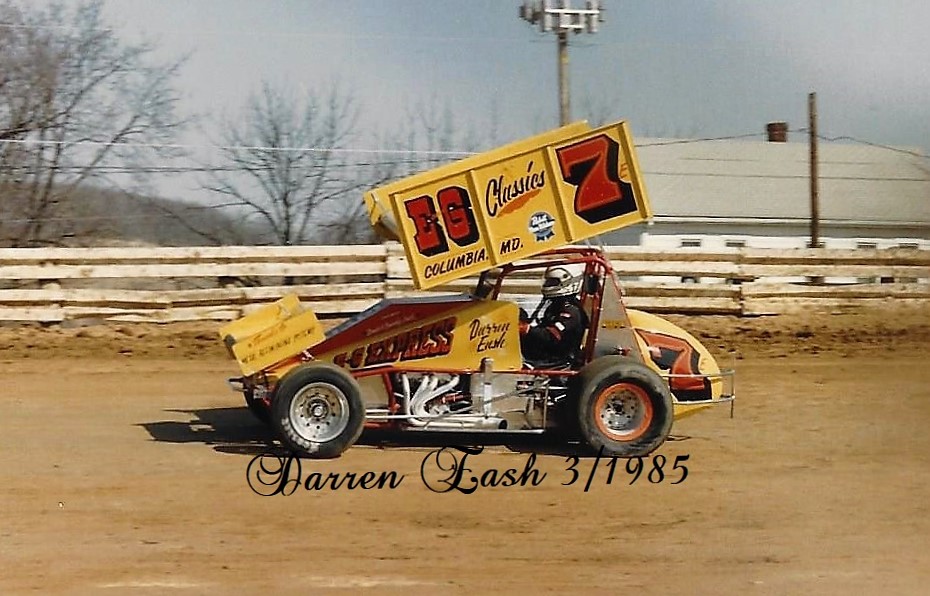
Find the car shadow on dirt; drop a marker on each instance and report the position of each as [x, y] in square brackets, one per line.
[236, 431]
[227, 430]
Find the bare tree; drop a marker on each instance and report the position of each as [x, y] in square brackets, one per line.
[599, 110]
[432, 137]
[287, 164]
[77, 106]
[294, 165]
[350, 226]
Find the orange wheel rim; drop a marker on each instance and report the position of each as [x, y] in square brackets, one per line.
[623, 412]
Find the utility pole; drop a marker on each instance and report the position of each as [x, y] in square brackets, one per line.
[565, 101]
[815, 182]
[562, 19]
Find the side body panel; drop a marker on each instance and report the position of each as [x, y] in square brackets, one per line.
[435, 336]
[669, 349]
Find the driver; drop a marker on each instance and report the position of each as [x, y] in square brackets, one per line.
[556, 335]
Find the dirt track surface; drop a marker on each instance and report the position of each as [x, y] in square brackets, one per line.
[123, 462]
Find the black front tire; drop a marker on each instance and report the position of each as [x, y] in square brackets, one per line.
[624, 408]
[317, 410]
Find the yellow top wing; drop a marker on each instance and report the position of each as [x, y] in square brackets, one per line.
[513, 202]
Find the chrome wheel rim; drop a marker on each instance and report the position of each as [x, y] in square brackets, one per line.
[623, 411]
[319, 412]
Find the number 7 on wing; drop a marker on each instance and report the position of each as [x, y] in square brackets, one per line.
[600, 187]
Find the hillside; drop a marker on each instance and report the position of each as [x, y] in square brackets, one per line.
[99, 217]
[121, 218]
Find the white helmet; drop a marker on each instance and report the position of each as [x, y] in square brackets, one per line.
[562, 280]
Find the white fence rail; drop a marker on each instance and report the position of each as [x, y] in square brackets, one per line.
[222, 283]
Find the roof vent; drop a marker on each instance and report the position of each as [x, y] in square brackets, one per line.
[777, 132]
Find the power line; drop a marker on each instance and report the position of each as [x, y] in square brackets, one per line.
[201, 169]
[181, 210]
[449, 153]
[871, 144]
[835, 139]
[454, 152]
[124, 169]
[700, 140]
[236, 147]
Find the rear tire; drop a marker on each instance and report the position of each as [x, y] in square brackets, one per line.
[624, 408]
[318, 411]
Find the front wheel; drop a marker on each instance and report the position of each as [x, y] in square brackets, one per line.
[624, 408]
[318, 411]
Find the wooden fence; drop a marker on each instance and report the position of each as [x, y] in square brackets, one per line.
[222, 283]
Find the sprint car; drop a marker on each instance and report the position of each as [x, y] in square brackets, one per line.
[452, 363]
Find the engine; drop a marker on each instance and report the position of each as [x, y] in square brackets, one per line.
[481, 401]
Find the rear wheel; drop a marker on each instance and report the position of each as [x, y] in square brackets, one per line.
[318, 411]
[624, 408]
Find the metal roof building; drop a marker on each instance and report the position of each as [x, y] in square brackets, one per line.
[752, 193]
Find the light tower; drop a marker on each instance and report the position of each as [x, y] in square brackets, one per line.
[562, 19]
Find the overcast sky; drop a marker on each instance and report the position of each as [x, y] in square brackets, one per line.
[693, 68]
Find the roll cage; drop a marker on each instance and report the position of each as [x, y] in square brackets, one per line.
[600, 297]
